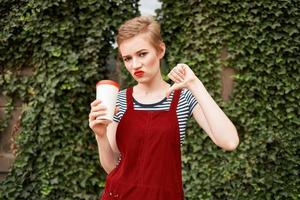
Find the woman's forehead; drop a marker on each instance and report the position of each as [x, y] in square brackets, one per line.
[135, 44]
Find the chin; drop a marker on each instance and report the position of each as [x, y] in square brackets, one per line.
[142, 80]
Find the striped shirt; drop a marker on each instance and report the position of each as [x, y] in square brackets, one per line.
[184, 110]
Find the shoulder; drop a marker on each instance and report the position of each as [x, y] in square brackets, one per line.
[121, 99]
[186, 95]
[122, 94]
[121, 102]
[188, 100]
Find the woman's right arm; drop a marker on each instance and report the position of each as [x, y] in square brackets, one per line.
[107, 149]
[105, 136]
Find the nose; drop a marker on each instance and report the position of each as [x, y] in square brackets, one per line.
[136, 64]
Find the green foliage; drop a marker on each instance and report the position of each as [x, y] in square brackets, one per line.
[67, 44]
[263, 44]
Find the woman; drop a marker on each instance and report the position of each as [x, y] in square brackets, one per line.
[140, 150]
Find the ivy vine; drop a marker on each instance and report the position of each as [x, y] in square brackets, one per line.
[262, 41]
[67, 44]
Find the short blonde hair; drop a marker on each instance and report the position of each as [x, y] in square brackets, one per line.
[141, 25]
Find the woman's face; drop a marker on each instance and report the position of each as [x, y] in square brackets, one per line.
[141, 59]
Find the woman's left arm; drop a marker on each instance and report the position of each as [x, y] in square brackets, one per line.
[207, 113]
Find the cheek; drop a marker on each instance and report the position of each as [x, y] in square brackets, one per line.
[127, 66]
[152, 60]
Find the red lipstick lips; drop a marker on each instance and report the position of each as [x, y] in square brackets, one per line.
[139, 73]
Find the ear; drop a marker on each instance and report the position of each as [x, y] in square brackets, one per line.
[162, 50]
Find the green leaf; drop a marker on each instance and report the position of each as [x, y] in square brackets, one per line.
[56, 52]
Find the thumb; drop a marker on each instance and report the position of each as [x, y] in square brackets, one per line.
[172, 88]
[117, 109]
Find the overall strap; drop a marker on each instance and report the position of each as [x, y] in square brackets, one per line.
[175, 100]
[129, 98]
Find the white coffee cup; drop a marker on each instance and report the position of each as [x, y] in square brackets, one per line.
[107, 92]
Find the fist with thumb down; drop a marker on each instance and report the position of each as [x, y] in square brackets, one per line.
[182, 76]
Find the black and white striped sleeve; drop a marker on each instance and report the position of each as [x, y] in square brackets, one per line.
[121, 102]
[191, 101]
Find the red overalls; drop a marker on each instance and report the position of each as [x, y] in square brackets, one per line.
[150, 166]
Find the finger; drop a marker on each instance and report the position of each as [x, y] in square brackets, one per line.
[179, 69]
[94, 115]
[98, 108]
[172, 78]
[95, 102]
[177, 73]
[183, 68]
[177, 76]
[182, 65]
[92, 124]
[175, 86]
[117, 109]
[102, 121]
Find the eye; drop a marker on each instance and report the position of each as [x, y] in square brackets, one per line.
[142, 54]
[126, 59]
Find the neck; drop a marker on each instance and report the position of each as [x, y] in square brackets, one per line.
[156, 84]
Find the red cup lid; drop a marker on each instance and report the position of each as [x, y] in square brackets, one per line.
[109, 82]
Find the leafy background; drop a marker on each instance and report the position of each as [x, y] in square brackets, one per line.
[67, 43]
[262, 43]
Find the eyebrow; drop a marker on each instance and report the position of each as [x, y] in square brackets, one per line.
[126, 56]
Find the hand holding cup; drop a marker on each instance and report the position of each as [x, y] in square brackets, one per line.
[104, 107]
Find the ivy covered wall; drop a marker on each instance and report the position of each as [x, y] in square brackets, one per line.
[66, 44]
[261, 42]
